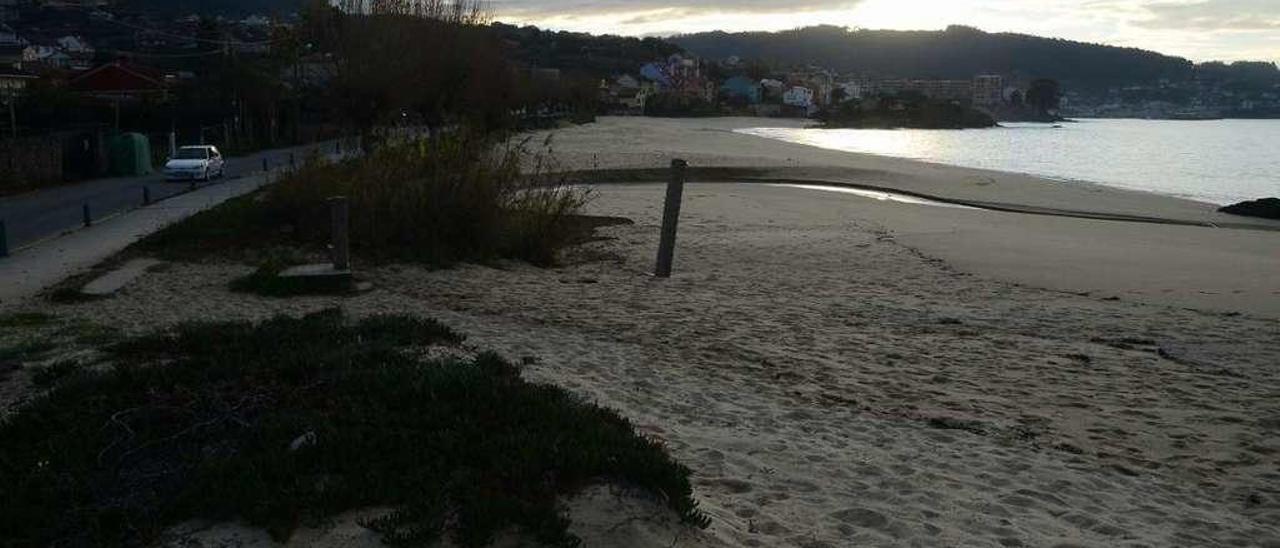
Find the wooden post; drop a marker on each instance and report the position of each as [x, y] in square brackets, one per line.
[340, 214]
[670, 219]
[4, 240]
[84, 211]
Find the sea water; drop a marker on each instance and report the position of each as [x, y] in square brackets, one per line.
[1218, 161]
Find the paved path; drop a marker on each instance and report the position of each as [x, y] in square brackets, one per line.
[30, 270]
[53, 259]
[46, 213]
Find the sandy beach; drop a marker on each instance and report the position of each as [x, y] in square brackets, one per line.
[839, 370]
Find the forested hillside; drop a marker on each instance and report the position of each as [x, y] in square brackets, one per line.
[961, 52]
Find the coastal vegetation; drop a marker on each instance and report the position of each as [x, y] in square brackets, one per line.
[1266, 208]
[273, 423]
[458, 197]
[905, 110]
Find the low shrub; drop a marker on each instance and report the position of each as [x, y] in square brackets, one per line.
[292, 421]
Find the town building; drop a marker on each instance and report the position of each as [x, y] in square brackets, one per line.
[744, 89]
[120, 82]
[45, 57]
[798, 96]
[14, 82]
[988, 90]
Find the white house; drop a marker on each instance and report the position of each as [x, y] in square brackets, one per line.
[45, 56]
[854, 90]
[798, 96]
[627, 81]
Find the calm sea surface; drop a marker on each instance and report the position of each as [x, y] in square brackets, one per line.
[1222, 161]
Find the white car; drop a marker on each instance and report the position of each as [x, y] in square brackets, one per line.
[195, 162]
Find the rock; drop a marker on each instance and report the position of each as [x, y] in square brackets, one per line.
[1266, 208]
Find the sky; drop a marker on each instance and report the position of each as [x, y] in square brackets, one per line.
[1200, 30]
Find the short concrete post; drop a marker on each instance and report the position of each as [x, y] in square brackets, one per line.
[340, 214]
[4, 240]
[146, 195]
[670, 219]
[84, 211]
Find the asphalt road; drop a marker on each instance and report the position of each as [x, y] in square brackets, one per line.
[34, 216]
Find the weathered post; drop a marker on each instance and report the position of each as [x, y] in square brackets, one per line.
[670, 218]
[340, 214]
[4, 240]
[84, 214]
[146, 195]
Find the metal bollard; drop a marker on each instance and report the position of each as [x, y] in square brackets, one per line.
[4, 240]
[146, 195]
[340, 215]
[670, 219]
[84, 210]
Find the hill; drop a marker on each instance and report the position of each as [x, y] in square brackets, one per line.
[958, 52]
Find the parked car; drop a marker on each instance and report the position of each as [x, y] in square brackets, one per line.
[195, 162]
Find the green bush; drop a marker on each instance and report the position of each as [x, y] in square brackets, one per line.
[295, 420]
[457, 197]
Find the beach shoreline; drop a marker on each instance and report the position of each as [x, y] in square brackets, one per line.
[631, 143]
[1066, 156]
[839, 370]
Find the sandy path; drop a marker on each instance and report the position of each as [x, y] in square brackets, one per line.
[832, 385]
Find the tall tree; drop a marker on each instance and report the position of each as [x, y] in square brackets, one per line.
[1045, 95]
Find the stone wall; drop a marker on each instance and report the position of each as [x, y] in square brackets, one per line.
[27, 163]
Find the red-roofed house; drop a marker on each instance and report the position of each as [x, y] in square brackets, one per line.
[120, 81]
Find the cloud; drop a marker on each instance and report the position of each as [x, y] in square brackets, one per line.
[1212, 15]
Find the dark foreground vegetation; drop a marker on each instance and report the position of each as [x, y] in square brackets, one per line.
[905, 111]
[291, 421]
